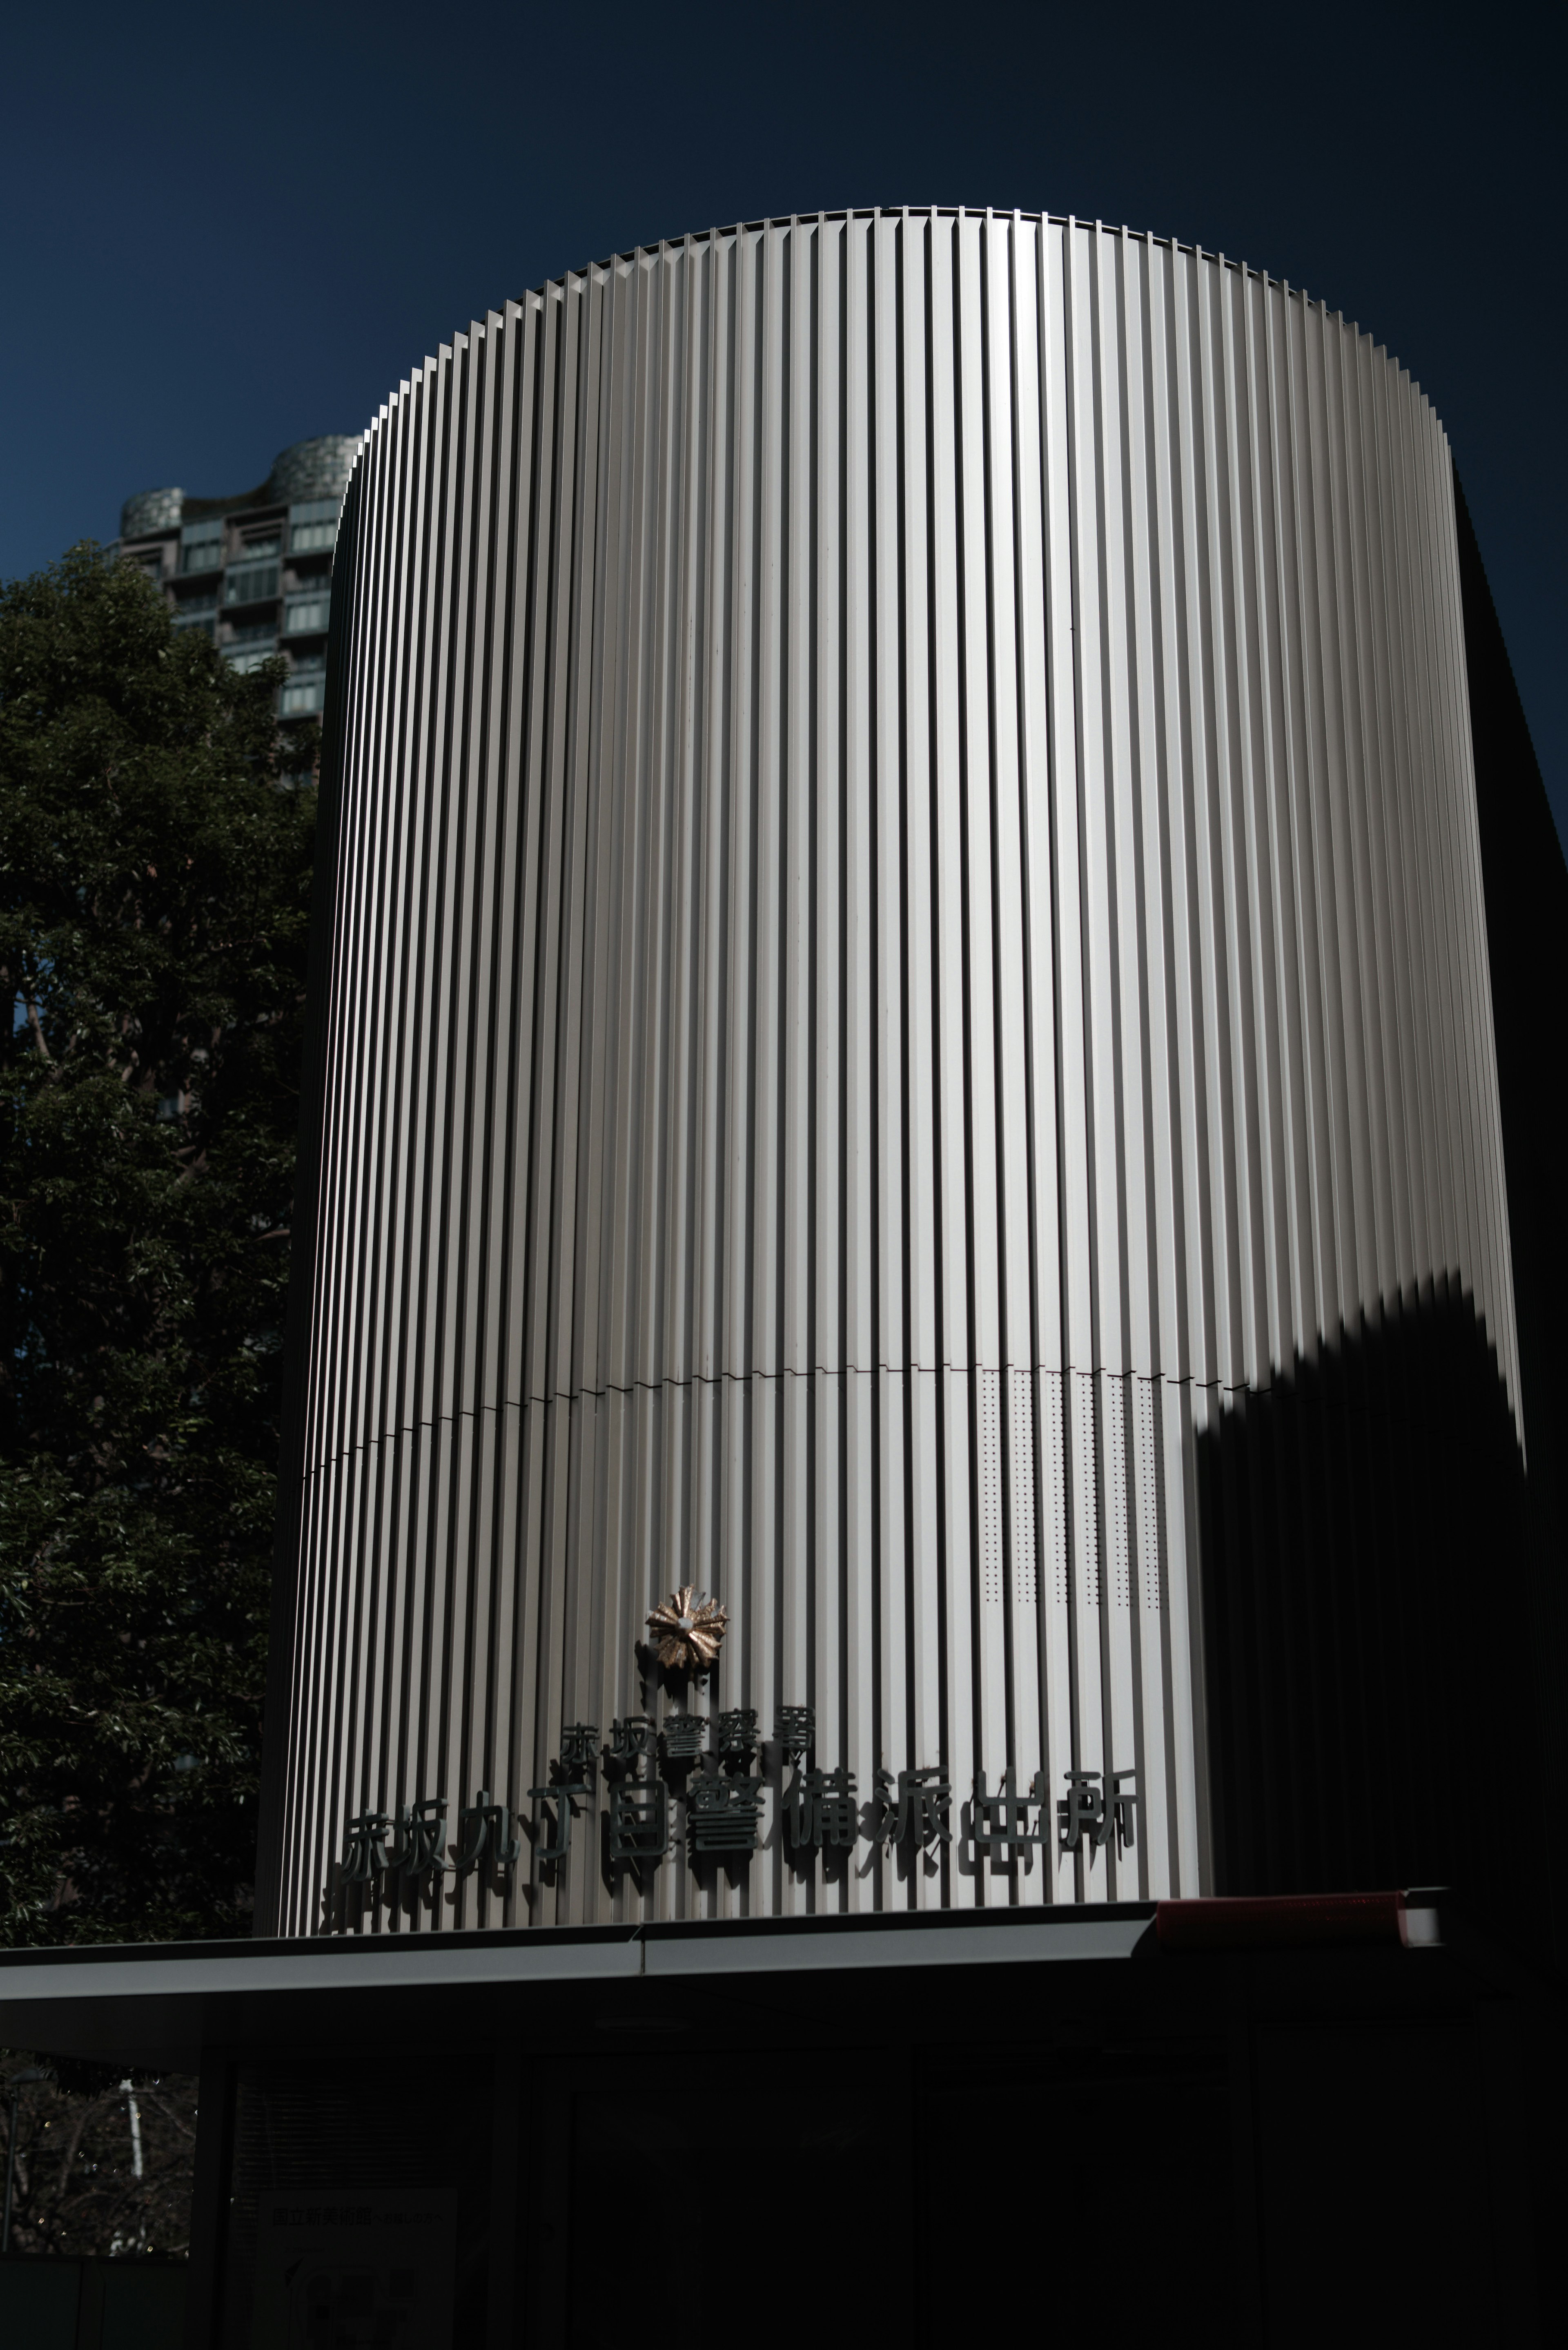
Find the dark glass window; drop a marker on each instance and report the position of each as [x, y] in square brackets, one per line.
[202, 546]
[251, 582]
[359, 2205]
[306, 612]
[313, 526]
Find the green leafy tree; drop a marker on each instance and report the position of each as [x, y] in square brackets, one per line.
[153, 910]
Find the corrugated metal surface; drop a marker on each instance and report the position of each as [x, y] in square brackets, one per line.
[908, 919]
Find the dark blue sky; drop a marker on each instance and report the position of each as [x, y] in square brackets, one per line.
[228, 229]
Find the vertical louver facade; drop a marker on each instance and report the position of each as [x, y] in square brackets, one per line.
[905, 942]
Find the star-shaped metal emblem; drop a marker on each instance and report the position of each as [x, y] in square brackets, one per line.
[686, 1629]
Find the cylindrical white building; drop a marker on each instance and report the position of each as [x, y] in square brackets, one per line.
[907, 950]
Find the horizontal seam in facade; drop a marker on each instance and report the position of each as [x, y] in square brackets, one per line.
[746, 1379]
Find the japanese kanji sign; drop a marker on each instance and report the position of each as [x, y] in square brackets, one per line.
[705, 1768]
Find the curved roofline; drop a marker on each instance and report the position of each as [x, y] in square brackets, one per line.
[928, 212]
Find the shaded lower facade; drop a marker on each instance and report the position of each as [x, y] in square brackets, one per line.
[1364, 1529]
[1301, 2127]
[1526, 884]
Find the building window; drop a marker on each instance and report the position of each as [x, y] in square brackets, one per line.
[251, 582]
[312, 525]
[202, 546]
[305, 689]
[305, 613]
[249, 655]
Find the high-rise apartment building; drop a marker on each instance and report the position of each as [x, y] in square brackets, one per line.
[254, 572]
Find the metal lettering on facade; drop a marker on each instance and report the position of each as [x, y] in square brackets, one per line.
[650, 1770]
